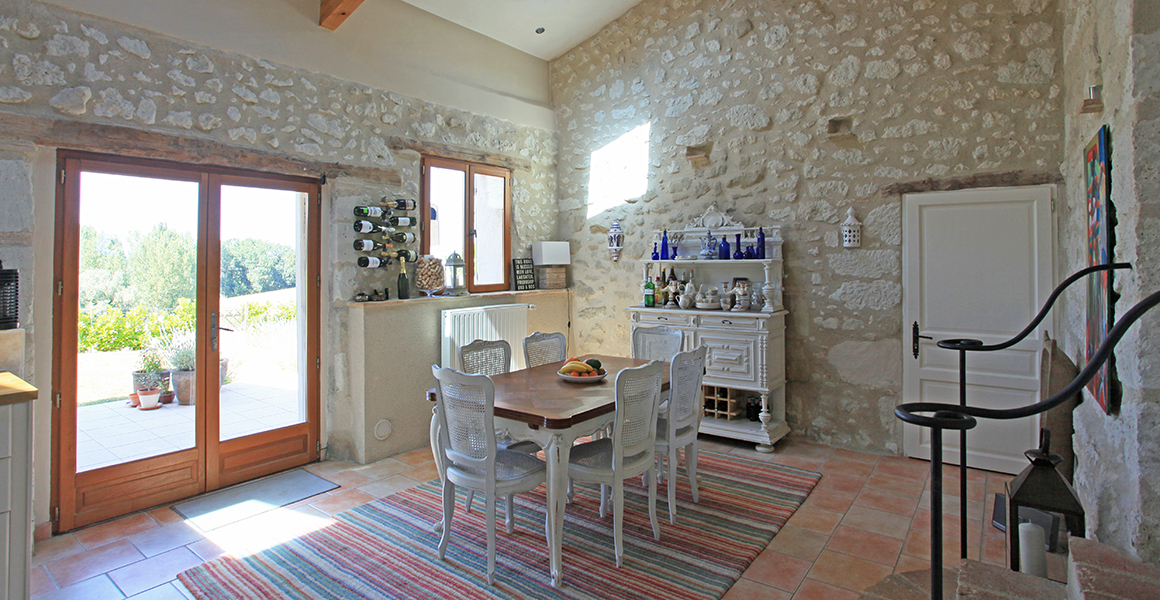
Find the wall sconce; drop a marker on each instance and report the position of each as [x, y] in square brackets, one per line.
[1095, 100]
[615, 240]
[851, 231]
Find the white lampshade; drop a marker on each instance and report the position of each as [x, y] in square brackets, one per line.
[551, 253]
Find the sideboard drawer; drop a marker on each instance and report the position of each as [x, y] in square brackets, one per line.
[670, 320]
[731, 358]
[736, 322]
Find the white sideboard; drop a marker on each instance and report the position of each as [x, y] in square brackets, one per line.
[15, 485]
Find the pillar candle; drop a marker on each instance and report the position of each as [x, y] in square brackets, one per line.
[1032, 553]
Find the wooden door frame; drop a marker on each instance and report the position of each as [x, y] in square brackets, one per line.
[187, 472]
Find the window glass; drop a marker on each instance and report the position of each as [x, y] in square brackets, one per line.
[448, 197]
[466, 209]
[490, 265]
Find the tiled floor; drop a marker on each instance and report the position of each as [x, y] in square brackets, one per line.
[866, 519]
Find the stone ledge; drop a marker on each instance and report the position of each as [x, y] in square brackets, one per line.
[1099, 571]
[912, 585]
[979, 581]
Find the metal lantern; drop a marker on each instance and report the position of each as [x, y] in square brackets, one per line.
[615, 240]
[456, 277]
[851, 231]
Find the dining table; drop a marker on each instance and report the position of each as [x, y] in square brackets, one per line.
[538, 404]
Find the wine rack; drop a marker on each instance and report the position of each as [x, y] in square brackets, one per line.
[381, 250]
[723, 402]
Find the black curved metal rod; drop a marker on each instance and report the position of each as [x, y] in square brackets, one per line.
[1059, 289]
[906, 411]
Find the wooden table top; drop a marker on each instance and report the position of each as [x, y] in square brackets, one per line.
[539, 397]
[14, 389]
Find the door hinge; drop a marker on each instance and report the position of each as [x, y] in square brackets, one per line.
[56, 513]
[318, 363]
[57, 401]
[62, 176]
[60, 288]
[1053, 204]
[320, 198]
[318, 446]
[318, 281]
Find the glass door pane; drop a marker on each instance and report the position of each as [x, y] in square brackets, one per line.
[137, 288]
[263, 302]
[489, 217]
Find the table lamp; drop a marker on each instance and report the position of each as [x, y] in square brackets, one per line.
[550, 258]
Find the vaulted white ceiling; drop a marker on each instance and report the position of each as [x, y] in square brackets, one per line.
[566, 23]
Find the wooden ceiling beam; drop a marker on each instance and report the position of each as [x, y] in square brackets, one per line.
[332, 13]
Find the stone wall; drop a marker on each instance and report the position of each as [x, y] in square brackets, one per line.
[931, 90]
[1116, 44]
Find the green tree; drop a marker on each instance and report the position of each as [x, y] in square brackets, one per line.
[102, 272]
[162, 267]
[250, 266]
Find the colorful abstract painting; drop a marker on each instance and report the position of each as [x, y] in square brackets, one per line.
[1101, 220]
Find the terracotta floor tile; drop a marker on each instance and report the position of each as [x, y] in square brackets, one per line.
[994, 551]
[166, 538]
[39, 581]
[918, 545]
[798, 542]
[333, 505]
[420, 456]
[877, 521]
[907, 468]
[97, 588]
[55, 548]
[328, 467]
[853, 468]
[976, 509]
[167, 591]
[907, 564]
[815, 519]
[79, 567]
[898, 485]
[388, 486]
[134, 579]
[797, 462]
[887, 501]
[841, 483]
[830, 500]
[778, 570]
[866, 457]
[165, 515]
[864, 544]
[423, 473]
[117, 529]
[803, 449]
[348, 479]
[207, 549]
[847, 571]
[383, 469]
[746, 589]
[812, 589]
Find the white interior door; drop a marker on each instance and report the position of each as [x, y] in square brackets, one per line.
[977, 264]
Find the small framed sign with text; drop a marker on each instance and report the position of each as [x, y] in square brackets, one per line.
[524, 274]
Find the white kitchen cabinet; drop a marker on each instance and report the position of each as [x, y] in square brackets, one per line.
[746, 348]
[15, 485]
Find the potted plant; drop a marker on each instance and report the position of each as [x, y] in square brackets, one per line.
[181, 351]
[151, 373]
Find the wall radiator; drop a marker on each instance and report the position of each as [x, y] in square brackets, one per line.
[461, 326]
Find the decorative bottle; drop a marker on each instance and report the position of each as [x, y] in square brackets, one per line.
[737, 253]
[760, 243]
[749, 253]
[655, 255]
[649, 294]
[723, 248]
[665, 245]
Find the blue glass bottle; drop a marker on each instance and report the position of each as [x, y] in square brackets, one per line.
[749, 253]
[737, 253]
[665, 245]
[723, 249]
[655, 255]
[760, 243]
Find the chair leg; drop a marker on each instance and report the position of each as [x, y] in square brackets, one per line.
[652, 507]
[491, 539]
[672, 485]
[467, 501]
[618, 516]
[448, 513]
[571, 492]
[691, 467]
[511, 522]
[603, 500]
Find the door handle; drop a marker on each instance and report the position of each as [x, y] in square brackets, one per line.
[914, 337]
[213, 330]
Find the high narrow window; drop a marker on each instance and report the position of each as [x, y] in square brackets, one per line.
[466, 208]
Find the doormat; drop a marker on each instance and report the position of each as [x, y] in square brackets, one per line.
[251, 498]
[386, 550]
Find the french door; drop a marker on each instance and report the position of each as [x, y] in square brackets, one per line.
[186, 326]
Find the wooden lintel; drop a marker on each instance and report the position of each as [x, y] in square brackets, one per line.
[126, 141]
[331, 13]
[979, 180]
[447, 151]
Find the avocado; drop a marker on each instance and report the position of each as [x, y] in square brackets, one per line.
[592, 362]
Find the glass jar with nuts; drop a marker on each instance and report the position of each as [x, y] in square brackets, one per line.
[429, 275]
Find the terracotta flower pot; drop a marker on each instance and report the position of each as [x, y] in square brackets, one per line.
[134, 401]
[184, 385]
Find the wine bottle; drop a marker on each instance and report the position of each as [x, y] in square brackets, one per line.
[372, 262]
[649, 294]
[404, 285]
[368, 227]
[397, 221]
[404, 255]
[399, 203]
[367, 245]
[403, 237]
[372, 212]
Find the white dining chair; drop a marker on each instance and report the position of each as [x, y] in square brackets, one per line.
[466, 408]
[678, 428]
[656, 343]
[543, 348]
[629, 452]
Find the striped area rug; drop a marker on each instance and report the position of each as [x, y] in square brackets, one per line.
[386, 549]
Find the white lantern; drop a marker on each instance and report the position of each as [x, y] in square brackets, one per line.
[851, 231]
[456, 275]
[615, 240]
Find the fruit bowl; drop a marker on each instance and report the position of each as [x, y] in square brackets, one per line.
[584, 378]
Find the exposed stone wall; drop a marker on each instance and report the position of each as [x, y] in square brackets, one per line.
[1116, 44]
[16, 226]
[62, 65]
[931, 89]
